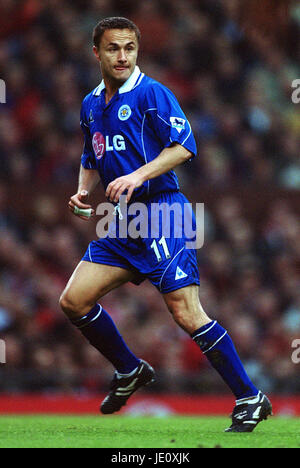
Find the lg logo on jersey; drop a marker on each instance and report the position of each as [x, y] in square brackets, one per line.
[103, 144]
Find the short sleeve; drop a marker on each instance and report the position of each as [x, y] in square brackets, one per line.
[87, 157]
[167, 118]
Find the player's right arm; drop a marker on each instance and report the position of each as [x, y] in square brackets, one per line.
[88, 180]
[88, 174]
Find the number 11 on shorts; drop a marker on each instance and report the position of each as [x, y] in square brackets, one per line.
[156, 249]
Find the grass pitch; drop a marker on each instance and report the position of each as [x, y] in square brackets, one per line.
[60, 431]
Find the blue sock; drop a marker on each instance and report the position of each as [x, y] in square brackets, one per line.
[100, 330]
[219, 349]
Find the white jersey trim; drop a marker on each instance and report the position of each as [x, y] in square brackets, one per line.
[133, 81]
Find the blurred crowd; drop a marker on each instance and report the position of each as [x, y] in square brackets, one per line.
[236, 91]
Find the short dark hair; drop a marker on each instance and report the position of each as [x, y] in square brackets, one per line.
[114, 22]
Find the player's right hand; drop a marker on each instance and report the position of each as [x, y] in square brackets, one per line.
[78, 201]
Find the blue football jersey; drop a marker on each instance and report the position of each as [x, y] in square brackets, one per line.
[141, 119]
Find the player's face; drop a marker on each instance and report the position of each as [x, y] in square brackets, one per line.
[117, 54]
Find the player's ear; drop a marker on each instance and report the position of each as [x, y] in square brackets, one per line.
[96, 52]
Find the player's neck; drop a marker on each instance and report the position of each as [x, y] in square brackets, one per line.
[109, 93]
[111, 88]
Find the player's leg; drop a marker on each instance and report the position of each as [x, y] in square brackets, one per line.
[89, 282]
[251, 406]
[212, 338]
[186, 309]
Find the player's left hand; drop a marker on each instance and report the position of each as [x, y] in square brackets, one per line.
[118, 186]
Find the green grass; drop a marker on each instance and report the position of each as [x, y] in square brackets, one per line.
[45, 431]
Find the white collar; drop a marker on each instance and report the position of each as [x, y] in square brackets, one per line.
[127, 86]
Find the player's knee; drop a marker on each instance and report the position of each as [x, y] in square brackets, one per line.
[65, 303]
[72, 307]
[188, 314]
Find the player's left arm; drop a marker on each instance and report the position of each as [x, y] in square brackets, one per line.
[170, 157]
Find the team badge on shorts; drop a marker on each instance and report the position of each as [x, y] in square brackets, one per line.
[124, 112]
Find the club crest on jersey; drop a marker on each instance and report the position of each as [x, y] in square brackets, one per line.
[178, 123]
[124, 112]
